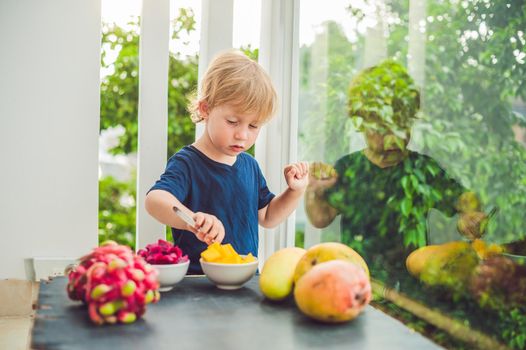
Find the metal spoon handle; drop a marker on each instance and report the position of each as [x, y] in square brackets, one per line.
[185, 217]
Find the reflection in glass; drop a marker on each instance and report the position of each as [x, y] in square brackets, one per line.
[385, 191]
[446, 188]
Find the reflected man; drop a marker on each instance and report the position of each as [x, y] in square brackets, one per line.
[384, 191]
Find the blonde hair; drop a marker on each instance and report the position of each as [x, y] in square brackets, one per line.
[234, 79]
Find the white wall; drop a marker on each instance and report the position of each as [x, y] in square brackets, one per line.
[49, 120]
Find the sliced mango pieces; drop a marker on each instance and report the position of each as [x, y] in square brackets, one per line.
[225, 254]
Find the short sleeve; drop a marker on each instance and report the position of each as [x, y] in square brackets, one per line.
[451, 189]
[264, 194]
[175, 179]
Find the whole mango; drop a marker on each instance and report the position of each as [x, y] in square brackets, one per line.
[325, 252]
[277, 276]
[417, 260]
[334, 291]
[449, 265]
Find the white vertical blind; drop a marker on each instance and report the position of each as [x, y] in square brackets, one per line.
[276, 145]
[216, 35]
[153, 111]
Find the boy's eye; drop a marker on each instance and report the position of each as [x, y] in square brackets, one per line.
[253, 126]
[232, 122]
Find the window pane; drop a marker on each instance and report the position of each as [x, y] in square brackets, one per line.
[185, 22]
[246, 32]
[247, 24]
[118, 120]
[419, 109]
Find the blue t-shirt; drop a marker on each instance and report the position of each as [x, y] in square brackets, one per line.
[233, 193]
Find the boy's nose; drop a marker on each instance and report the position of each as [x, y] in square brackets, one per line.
[241, 134]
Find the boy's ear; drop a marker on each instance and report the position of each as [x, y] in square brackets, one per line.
[203, 109]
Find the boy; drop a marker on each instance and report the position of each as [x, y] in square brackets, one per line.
[213, 180]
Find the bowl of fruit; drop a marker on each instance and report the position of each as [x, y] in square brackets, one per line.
[227, 269]
[168, 260]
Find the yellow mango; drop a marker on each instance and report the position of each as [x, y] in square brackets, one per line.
[249, 258]
[485, 250]
[210, 255]
[229, 250]
[217, 247]
[225, 254]
[327, 251]
[277, 277]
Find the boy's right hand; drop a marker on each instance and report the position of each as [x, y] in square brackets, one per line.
[208, 228]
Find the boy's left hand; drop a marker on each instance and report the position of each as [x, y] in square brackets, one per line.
[297, 175]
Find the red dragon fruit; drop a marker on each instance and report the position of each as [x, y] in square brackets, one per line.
[162, 253]
[115, 283]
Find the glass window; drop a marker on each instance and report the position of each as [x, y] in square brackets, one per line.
[185, 23]
[412, 115]
[185, 28]
[118, 120]
[246, 32]
[119, 105]
[247, 25]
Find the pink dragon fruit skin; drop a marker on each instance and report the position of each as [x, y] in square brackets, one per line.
[115, 283]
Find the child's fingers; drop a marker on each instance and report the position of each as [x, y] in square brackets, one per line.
[199, 218]
[218, 232]
[207, 224]
[191, 229]
[301, 170]
[212, 234]
[220, 236]
[203, 225]
[201, 236]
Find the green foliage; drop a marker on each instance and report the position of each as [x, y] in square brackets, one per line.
[119, 106]
[470, 85]
[474, 75]
[397, 201]
[117, 211]
[299, 238]
[383, 98]
[514, 324]
[182, 79]
[251, 53]
[120, 89]
[323, 99]
[436, 334]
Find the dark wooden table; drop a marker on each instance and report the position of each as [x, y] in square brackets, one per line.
[197, 315]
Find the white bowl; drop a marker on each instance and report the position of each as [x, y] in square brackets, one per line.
[171, 274]
[229, 276]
